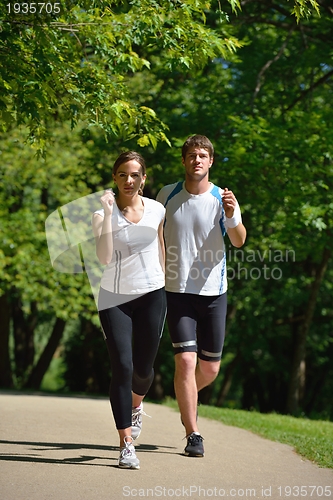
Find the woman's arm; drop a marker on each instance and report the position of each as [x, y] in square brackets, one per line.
[161, 245]
[102, 229]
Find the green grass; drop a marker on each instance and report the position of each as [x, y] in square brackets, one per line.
[312, 439]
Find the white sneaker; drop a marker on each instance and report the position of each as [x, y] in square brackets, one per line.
[137, 420]
[127, 458]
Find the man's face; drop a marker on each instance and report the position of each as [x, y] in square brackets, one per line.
[197, 163]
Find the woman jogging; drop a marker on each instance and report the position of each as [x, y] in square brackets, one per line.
[128, 232]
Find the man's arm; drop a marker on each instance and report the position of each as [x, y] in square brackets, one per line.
[237, 235]
[234, 226]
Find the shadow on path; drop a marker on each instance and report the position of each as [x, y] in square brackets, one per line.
[39, 447]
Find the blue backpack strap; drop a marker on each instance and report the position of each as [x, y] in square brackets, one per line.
[216, 192]
[176, 190]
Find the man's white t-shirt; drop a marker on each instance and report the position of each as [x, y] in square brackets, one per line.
[135, 267]
[193, 232]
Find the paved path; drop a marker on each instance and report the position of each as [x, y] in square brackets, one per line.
[65, 448]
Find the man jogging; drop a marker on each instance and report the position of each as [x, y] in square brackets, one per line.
[198, 213]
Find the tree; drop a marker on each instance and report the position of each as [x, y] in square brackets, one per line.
[70, 65]
[31, 292]
[126, 84]
[297, 131]
[267, 111]
[61, 67]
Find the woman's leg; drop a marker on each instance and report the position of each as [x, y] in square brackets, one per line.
[117, 328]
[141, 319]
[148, 320]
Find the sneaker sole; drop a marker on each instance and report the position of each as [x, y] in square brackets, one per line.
[134, 467]
[189, 454]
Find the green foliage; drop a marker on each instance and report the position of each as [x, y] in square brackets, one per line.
[26, 185]
[302, 9]
[270, 121]
[103, 77]
[87, 366]
[71, 66]
[53, 380]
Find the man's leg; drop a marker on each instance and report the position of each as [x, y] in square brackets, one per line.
[210, 337]
[206, 372]
[187, 397]
[186, 389]
[182, 324]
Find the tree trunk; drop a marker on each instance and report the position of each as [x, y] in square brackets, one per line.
[297, 378]
[39, 370]
[228, 379]
[24, 347]
[6, 379]
[318, 387]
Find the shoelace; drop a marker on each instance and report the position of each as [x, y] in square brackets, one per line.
[136, 415]
[194, 439]
[128, 449]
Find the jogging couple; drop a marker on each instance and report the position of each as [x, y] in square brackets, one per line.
[164, 256]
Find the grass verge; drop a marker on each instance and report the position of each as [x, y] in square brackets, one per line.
[312, 439]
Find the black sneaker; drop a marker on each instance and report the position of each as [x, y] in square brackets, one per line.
[194, 447]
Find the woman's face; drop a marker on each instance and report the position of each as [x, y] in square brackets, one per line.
[129, 178]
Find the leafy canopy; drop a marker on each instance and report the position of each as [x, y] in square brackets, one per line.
[72, 65]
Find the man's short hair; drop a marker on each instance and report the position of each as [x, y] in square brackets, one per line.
[198, 141]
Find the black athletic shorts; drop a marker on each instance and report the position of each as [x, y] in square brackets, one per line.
[197, 323]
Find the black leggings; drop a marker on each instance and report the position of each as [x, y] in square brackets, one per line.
[132, 332]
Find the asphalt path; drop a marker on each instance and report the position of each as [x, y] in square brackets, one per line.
[66, 448]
